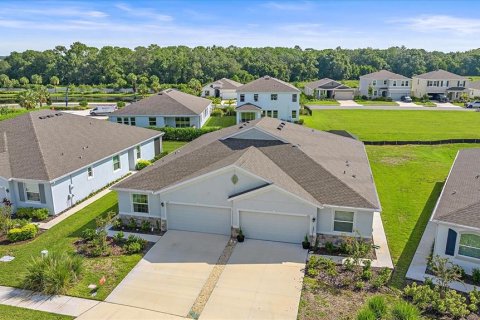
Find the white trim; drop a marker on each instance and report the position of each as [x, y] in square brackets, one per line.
[148, 205]
[351, 208]
[457, 248]
[332, 225]
[248, 194]
[196, 205]
[119, 162]
[131, 190]
[449, 224]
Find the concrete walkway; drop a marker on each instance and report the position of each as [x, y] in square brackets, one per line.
[112, 311]
[348, 103]
[66, 305]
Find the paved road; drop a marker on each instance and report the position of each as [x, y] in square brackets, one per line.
[455, 108]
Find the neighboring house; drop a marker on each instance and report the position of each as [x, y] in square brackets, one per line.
[169, 108]
[275, 180]
[474, 89]
[223, 88]
[384, 84]
[439, 82]
[456, 215]
[53, 160]
[330, 89]
[268, 97]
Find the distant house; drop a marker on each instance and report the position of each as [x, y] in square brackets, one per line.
[169, 108]
[456, 215]
[330, 89]
[52, 159]
[223, 88]
[385, 84]
[439, 82]
[474, 89]
[268, 97]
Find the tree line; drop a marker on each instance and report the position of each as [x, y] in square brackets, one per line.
[120, 67]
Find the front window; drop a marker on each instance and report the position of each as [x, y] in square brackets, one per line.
[469, 245]
[384, 82]
[294, 114]
[447, 83]
[275, 114]
[242, 98]
[273, 96]
[374, 82]
[139, 152]
[152, 121]
[182, 122]
[90, 173]
[269, 113]
[294, 97]
[255, 97]
[406, 83]
[116, 163]
[247, 116]
[125, 120]
[263, 114]
[207, 93]
[394, 83]
[132, 121]
[32, 192]
[119, 120]
[343, 221]
[140, 203]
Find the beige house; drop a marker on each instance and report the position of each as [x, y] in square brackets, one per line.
[474, 89]
[330, 89]
[439, 82]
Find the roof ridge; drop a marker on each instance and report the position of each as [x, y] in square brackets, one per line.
[461, 209]
[181, 92]
[35, 136]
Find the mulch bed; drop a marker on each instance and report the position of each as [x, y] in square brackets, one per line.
[83, 247]
[155, 232]
[322, 251]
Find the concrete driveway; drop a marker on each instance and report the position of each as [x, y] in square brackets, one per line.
[171, 275]
[348, 103]
[262, 280]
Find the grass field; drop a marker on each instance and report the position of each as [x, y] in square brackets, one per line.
[225, 121]
[170, 146]
[16, 313]
[315, 102]
[376, 103]
[377, 125]
[11, 115]
[426, 103]
[474, 78]
[409, 180]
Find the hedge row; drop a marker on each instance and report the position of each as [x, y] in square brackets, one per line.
[28, 231]
[184, 134]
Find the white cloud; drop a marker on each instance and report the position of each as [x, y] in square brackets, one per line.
[289, 6]
[54, 12]
[143, 12]
[440, 23]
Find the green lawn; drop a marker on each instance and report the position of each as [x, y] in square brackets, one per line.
[170, 146]
[60, 238]
[16, 313]
[225, 121]
[11, 115]
[474, 78]
[351, 83]
[425, 104]
[377, 125]
[409, 180]
[376, 103]
[460, 104]
[315, 102]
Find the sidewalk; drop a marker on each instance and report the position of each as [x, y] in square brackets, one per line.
[66, 305]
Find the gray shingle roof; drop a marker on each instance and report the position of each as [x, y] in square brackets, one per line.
[45, 145]
[225, 83]
[326, 83]
[459, 202]
[439, 75]
[268, 84]
[318, 166]
[383, 75]
[248, 107]
[169, 102]
[474, 85]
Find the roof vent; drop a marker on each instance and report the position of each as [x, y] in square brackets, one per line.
[477, 176]
[59, 114]
[282, 123]
[354, 176]
[42, 117]
[50, 116]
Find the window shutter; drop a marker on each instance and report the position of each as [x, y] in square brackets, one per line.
[451, 242]
[21, 191]
[41, 188]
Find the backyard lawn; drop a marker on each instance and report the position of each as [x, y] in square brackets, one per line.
[225, 121]
[409, 180]
[377, 125]
[60, 238]
[169, 146]
[376, 103]
[16, 313]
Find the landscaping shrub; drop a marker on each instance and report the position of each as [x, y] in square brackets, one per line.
[421, 296]
[217, 112]
[141, 163]
[330, 247]
[146, 225]
[38, 214]
[382, 278]
[119, 237]
[134, 247]
[53, 274]
[300, 121]
[184, 134]
[359, 285]
[378, 305]
[474, 297]
[405, 311]
[89, 234]
[476, 276]
[83, 103]
[117, 223]
[366, 314]
[159, 156]
[132, 224]
[26, 232]
[120, 104]
[453, 304]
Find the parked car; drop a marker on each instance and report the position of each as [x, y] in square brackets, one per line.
[406, 99]
[473, 104]
[102, 110]
[440, 97]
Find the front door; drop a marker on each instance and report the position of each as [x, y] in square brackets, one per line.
[217, 93]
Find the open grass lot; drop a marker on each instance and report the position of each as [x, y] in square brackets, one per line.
[379, 125]
[225, 121]
[376, 103]
[315, 102]
[409, 180]
[170, 146]
[60, 238]
[16, 313]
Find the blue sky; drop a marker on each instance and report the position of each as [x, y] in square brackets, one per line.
[432, 25]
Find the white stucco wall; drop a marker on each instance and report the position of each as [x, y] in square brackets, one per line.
[22, 204]
[283, 104]
[394, 92]
[420, 86]
[143, 121]
[362, 222]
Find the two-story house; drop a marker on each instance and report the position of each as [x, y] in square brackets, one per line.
[439, 82]
[268, 97]
[385, 84]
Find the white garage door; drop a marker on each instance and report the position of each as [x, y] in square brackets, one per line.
[274, 227]
[198, 219]
[342, 95]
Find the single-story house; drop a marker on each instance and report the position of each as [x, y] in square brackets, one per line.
[223, 88]
[52, 160]
[275, 180]
[474, 89]
[456, 214]
[330, 89]
[440, 82]
[169, 108]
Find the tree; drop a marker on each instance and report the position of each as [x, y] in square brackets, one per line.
[37, 79]
[132, 79]
[54, 81]
[27, 99]
[143, 90]
[5, 81]
[156, 87]
[42, 95]
[370, 91]
[445, 271]
[195, 85]
[23, 81]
